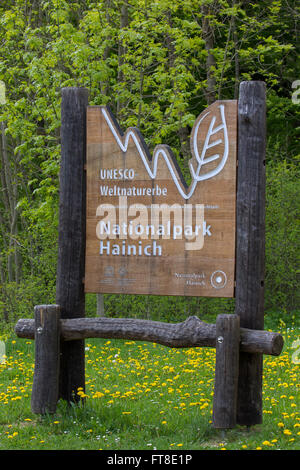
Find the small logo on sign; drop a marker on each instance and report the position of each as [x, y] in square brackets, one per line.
[218, 279]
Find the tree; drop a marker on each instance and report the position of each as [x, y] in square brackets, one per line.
[158, 64]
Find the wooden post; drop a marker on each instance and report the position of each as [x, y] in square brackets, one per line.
[71, 246]
[250, 251]
[46, 371]
[226, 371]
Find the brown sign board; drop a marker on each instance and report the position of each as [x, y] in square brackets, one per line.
[148, 232]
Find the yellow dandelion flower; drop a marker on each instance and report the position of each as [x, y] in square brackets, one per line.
[267, 443]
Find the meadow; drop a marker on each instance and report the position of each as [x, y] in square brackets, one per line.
[145, 396]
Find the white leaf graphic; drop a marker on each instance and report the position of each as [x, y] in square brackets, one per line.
[162, 151]
[209, 143]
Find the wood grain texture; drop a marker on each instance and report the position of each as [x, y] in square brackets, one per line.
[190, 333]
[250, 253]
[46, 331]
[176, 271]
[71, 243]
[226, 371]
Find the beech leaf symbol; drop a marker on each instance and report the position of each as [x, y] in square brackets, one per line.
[197, 173]
[162, 151]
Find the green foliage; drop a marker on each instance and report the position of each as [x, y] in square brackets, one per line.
[161, 308]
[157, 64]
[282, 235]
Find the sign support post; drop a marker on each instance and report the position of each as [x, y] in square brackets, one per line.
[71, 240]
[250, 251]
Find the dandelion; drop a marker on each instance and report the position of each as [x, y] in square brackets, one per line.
[98, 395]
[267, 443]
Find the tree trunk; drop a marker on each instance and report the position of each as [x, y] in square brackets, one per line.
[122, 50]
[100, 305]
[208, 36]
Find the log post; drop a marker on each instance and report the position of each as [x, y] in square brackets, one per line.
[46, 371]
[250, 248]
[226, 371]
[71, 244]
[191, 333]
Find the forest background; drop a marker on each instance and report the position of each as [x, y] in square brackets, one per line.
[158, 64]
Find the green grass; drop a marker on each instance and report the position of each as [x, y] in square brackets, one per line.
[145, 396]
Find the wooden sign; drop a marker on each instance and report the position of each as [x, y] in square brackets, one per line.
[148, 232]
